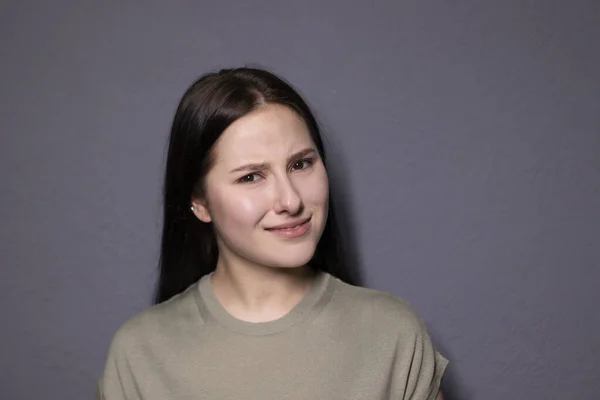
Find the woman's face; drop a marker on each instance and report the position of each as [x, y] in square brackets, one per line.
[267, 192]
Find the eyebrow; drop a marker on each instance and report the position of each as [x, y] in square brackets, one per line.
[264, 165]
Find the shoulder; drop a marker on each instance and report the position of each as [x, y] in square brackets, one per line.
[158, 324]
[387, 324]
[377, 307]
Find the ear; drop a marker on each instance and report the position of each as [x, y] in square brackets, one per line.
[200, 210]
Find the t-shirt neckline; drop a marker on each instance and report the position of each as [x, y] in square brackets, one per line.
[314, 299]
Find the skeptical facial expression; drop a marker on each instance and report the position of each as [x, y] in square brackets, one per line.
[267, 191]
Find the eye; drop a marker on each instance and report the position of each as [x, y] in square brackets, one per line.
[250, 178]
[302, 164]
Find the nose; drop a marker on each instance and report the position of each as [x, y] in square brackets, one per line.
[287, 198]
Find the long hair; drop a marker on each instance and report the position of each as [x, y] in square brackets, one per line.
[213, 102]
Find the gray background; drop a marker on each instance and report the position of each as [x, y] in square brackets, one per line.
[465, 137]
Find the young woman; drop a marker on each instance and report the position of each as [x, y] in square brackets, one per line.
[254, 299]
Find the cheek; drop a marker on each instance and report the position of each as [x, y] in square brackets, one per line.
[316, 191]
[232, 210]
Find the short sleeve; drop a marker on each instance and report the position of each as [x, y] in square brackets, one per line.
[116, 381]
[419, 367]
[99, 392]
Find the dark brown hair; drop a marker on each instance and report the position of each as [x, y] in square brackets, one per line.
[214, 101]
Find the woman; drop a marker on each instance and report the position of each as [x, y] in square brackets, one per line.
[254, 300]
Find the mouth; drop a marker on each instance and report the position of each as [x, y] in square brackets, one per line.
[291, 229]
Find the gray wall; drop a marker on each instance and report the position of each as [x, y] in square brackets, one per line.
[466, 141]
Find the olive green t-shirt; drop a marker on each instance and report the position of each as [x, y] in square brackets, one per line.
[339, 342]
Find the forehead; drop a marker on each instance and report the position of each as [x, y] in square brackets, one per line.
[271, 131]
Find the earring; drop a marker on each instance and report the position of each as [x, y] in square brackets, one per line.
[192, 208]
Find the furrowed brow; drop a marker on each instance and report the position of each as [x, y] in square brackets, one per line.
[301, 153]
[263, 166]
[251, 167]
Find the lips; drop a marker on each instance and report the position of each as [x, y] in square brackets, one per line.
[291, 230]
[289, 225]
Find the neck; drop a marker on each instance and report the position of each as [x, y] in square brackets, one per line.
[257, 293]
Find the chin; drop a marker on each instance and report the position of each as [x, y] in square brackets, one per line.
[291, 259]
[292, 263]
